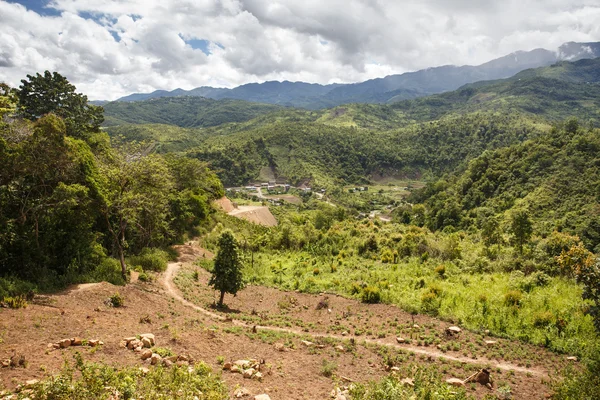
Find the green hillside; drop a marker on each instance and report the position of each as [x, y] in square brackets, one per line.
[185, 111]
[556, 177]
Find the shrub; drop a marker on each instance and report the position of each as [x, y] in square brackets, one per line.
[513, 298]
[99, 381]
[542, 319]
[116, 300]
[144, 277]
[109, 270]
[10, 287]
[316, 271]
[151, 259]
[440, 270]
[14, 302]
[370, 295]
[328, 368]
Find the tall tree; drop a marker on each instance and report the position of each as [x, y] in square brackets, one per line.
[227, 274]
[52, 93]
[521, 228]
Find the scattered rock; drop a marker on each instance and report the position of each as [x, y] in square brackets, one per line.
[94, 342]
[76, 341]
[262, 397]
[242, 363]
[146, 342]
[280, 347]
[572, 358]
[155, 359]
[31, 382]
[307, 343]
[394, 369]
[258, 376]
[181, 357]
[453, 330]
[482, 376]
[490, 342]
[241, 392]
[344, 333]
[415, 326]
[144, 370]
[339, 347]
[408, 382]
[167, 363]
[129, 339]
[400, 339]
[227, 366]
[5, 363]
[146, 354]
[248, 373]
[150, 337]
[455, 382]
[64, 343]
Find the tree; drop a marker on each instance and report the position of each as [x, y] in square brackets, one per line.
[135, 206]
[227, 273]
[521, 228]
[52, 93]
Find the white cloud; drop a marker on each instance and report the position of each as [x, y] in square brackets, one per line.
[257, 40]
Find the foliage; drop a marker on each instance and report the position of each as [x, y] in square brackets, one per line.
[116, 300]
[86, 380]
[14, 302]
[151, 260]
[227, 273]
[52, 93]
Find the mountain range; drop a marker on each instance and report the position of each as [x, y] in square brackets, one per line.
[392, 88]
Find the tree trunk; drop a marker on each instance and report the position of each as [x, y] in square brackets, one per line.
[222, 298]
[122, 261]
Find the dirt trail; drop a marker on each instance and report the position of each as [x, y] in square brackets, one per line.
[173, 268]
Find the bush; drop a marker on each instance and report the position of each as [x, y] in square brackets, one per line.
[513, 298]
[108, 270]
[328, 368]
[10, 287]
[99, 381]
[151, 260]
[370, 295]
[543, 319]
[440, 270]
[14, 302]
[116, 300]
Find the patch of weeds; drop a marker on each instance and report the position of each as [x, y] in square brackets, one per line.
[328, 368]
[116, 300]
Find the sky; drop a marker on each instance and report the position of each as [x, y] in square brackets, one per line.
[111, 48]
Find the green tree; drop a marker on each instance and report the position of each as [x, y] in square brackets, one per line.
[227, 274]
[52, 93]
[521, 228]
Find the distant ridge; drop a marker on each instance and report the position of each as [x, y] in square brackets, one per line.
[392, 88]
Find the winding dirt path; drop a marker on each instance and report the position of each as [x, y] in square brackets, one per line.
[173, 268]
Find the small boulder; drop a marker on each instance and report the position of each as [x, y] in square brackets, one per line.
[241, 392]
[262, 397]
[155, 359]
[572, 358]
[258, 376]
[6, 363]
[453, 330]
[339, 347]
[408, 382]
[93, 342]
[129, 339]
[167, 363]
[490, 342]
[242, 363]
[146, 354]
[344, 333]
[248, 373]
[76, 341]
[64, 343]
[307, 343]
[150, 337]
[227, 366]
[455, 382]
[400, 339]
[181, 357]
[280, 347]
[144, 370]
[146, 342]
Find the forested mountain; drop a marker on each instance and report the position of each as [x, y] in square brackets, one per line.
[350, 143]
[382, 90]
[185, 111]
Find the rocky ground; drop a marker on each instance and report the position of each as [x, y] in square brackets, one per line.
[286, 345]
